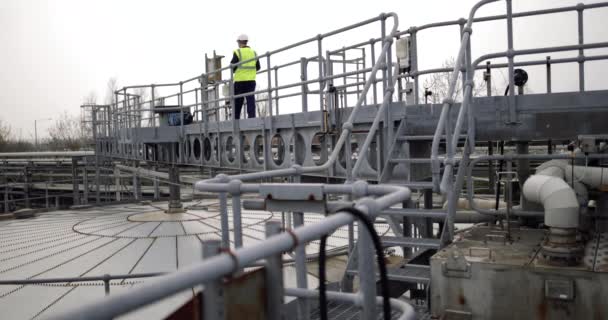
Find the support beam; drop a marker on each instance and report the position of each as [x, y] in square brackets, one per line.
[75, 184]
[175, 203]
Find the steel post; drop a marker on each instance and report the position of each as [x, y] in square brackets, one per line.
[117, 183]
[98, 151]
[75, 182]
[85, 181]
[175, 202]
[212, 295]
[512, 106]
[301, 272]
[581, 52]
[136, 183]
[236, 220]
[156, 186]
[304, 78]
[367, 273]
[548, 64]
[224, 219]
[274, 277]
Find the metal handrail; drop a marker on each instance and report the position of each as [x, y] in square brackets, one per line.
[375, 124]
[223, 264]
[448, 101]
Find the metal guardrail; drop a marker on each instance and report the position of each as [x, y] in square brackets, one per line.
[464, 64]
[235, 185]
[275, 244]
[106, 278]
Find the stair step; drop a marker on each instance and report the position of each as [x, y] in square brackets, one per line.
[410, 160]
[390, 241]
[415, 213]
[412, 273]
[419, 160]
[423, 137]
[418, 185]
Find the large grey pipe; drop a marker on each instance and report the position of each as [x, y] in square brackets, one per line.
[559, 200]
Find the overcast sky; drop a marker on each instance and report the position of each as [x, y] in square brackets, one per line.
[54, 53]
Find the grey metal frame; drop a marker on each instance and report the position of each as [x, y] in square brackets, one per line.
[123, 126]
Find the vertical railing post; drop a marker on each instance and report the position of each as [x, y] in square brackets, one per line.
[304, 78]
[117, 182]
[414, 62]
[487, 77]
[491, 169]
[274, 277]
[85, 181]
[224, 219]
[510, 56]
[98, 151]
[231, 98]
[235, 192]
[152, 120]
[212, 295]
[367, 273]
[470, 108]
[136, 183]
[156, 186]
[301, 272]
[388, 60]
[548, 64]
[269, 81]
[106, 284]
[320, 60]
[373, 59]
[276, 93]
[26, 185]
[75, 183]
[181, 123]
[581, 52]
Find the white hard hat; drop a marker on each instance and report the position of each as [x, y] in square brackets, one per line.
[243, 37]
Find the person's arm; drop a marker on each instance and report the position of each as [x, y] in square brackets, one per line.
[235, 59]
[257, 65]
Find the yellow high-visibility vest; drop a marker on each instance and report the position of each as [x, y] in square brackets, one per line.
[247, 70]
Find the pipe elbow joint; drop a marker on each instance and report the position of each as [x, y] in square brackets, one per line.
[360, 189]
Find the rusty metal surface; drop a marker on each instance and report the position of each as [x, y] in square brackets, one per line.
[245, 296]
[511, 281]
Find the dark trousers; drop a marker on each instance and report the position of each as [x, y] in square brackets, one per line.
[241, 87]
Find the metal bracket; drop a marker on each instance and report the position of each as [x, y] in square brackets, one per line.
[280, 191]
[456, 266]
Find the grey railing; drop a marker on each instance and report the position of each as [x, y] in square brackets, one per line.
[275, 244]
[446, 185]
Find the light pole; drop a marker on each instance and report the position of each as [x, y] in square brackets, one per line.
[36, 130]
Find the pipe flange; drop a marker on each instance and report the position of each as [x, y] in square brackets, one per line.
[561, 255]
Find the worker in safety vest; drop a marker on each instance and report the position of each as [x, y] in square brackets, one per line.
[244, 76]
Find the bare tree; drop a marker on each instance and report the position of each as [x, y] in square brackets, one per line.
[66, 133]
[90, 99]
[86, 118]
[438, 84]
[5, 134]
[261, 104]
[111, 87]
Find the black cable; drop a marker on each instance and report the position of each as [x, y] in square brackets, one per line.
[369, 225]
